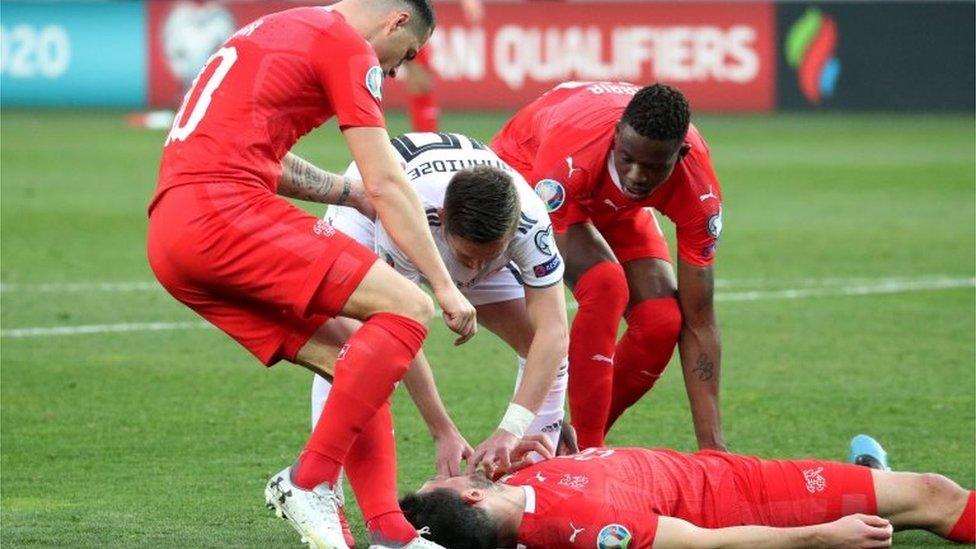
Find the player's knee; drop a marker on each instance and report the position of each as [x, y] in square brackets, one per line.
[940, 494]
[604, 283]
[417, 306]
[655, 321]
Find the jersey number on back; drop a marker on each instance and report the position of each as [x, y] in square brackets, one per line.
[225, 57]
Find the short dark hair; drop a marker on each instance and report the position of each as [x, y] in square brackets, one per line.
[424, 12]
[451, 522]
[659, 112]
[481, 204]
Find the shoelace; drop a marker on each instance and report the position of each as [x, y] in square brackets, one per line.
[423, 531]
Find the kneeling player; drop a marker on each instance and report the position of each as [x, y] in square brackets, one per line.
[641, 498]
[495, 237]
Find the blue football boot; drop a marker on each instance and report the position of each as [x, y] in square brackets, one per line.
[866, 451]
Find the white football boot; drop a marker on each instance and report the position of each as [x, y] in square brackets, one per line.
[312, 513]
[419, 542]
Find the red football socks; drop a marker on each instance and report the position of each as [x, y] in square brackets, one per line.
[965, 529]
[371, 469]
[602, 296]
[653, 327]
[370, 364]
[423, 112]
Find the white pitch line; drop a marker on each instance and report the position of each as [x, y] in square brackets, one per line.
[69, 287]
[882, 287]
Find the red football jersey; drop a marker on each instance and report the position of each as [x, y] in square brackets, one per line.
[605, 496]
[271, 83]
[561, 143]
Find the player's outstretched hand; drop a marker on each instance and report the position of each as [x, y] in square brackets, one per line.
[459, 314]
[451, 450]
[860, 531]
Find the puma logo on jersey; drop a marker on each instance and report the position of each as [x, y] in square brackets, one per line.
[602, 358]
[539, 477]
[569, 162]
[704, 197]
[610, 203]
[576, 532]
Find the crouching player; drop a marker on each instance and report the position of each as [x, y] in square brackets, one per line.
[495, 237]
[642, 498]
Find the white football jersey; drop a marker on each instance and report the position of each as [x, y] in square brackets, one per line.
[430, 161]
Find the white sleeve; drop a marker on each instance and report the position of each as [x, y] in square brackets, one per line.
[534, 251]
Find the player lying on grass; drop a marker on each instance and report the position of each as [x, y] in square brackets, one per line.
[223, 242]
[602, 154]
[495, 237]
[639, 498]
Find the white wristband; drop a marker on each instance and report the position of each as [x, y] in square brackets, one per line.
[517, 419]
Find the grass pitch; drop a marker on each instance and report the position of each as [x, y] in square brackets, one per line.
[846, 304]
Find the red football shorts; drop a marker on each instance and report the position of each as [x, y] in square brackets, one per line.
[796, 492]
[631, 234]
[253, 264]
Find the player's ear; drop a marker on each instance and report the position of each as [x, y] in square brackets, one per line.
[473, 496]
[402, 20]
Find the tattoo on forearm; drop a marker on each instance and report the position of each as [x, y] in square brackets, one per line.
[705, 368]
[308, 182]
[346, 189]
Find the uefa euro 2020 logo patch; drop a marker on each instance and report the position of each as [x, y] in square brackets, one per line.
[374, 82]
[613, 536]
[551, 192]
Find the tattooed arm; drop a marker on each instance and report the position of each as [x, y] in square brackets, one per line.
[701, 352]
[301, 180]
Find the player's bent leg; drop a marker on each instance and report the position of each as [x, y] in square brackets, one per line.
[600, 288]
[383, 290]
[926, 500]
[653, 327]
[368, 366]
[422, 107]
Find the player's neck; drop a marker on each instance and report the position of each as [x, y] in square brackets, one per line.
[506, 507]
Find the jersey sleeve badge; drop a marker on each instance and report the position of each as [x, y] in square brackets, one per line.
[374, 82]
[613, 536]
[552, 193]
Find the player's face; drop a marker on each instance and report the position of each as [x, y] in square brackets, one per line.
[398, 43]
[456, 484]
[475, 255]
[643, 164]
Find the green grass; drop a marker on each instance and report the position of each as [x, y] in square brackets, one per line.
[166, 438]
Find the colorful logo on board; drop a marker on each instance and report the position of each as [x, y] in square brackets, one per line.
[811, 50]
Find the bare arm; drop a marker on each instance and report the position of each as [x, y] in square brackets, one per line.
[546, 308]
[401, 212]
[451, 446]
[848, 532]
[701, 352]
[302, 180]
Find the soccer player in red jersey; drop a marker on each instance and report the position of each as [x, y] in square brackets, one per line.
[269, 274]
[639, 498]
[601, 154]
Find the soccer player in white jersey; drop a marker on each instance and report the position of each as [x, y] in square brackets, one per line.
[495, 237]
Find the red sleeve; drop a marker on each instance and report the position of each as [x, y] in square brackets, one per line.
[351, 77]
[696, 209]
[577, 522]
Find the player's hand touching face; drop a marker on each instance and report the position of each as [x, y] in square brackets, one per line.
[504, 453]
